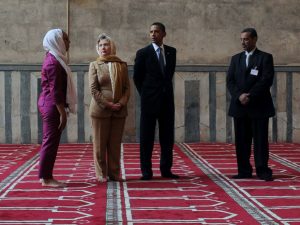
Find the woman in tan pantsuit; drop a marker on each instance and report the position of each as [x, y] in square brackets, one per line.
[109, 85]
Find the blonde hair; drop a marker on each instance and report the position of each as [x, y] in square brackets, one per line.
[104, 36]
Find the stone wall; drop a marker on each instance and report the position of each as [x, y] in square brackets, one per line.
[203, 31]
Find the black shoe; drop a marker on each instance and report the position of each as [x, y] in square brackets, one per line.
[170, 175]
[116, 179]
[269, 178]
[241, 176]
[266, 177]
[146, 177]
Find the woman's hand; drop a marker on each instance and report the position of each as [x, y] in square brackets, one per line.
[62, 117]
[117, 107]
[63, 122]
[114, 106]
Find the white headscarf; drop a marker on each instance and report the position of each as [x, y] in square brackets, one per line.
[53, 42]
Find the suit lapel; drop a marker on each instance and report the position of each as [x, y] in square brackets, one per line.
[155, 59]
[154, 56]
[167, 56]
[253, 60]
[242, 62]
[152, 50]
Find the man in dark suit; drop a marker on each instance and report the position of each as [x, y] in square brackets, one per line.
[249, 79]
[153, 72]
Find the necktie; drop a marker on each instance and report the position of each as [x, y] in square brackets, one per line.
[248, 55]
[161, 60]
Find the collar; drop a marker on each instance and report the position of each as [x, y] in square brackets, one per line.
[250, 53]
[155, 46]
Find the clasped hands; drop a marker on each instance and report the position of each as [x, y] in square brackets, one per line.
[114, 106]
[244, 98]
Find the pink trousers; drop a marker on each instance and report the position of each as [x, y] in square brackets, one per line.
[51, 138]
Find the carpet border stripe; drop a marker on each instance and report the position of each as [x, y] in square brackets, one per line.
[219, 179]
[18, 172]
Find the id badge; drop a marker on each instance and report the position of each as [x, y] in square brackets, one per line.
[254, 72]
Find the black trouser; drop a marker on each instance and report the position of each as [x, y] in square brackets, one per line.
[165, 119]
[247, 129]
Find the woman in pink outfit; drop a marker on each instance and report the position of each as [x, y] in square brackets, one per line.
[57, 97]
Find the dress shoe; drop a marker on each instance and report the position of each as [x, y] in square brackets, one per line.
[146, 177]
[118, 179]
[266, 177]
[242, 176]
[170, 175]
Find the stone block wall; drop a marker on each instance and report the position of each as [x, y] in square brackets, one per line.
[203, 31]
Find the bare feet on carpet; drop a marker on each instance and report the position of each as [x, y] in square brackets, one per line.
[52, 183]
[102, 179]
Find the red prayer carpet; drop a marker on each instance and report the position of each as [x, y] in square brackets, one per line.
[204, 194]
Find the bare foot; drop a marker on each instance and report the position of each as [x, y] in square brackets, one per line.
[52, 183]
[102, 179]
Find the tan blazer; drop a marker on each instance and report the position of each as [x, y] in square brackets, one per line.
[101, 91]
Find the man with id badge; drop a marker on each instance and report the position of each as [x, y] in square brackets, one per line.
[249, 79]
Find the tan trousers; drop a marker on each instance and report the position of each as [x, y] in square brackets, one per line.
[107, 138]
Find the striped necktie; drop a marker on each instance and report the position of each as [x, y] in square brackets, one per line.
[161, 60]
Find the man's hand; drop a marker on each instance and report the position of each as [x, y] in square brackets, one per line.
[244, 98]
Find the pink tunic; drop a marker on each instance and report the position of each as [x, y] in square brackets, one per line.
[54, 85]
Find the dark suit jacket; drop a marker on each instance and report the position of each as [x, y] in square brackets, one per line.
[154, 86]
[240, 80]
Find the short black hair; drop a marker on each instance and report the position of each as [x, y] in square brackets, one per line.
[160, 25]
[250, 30]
